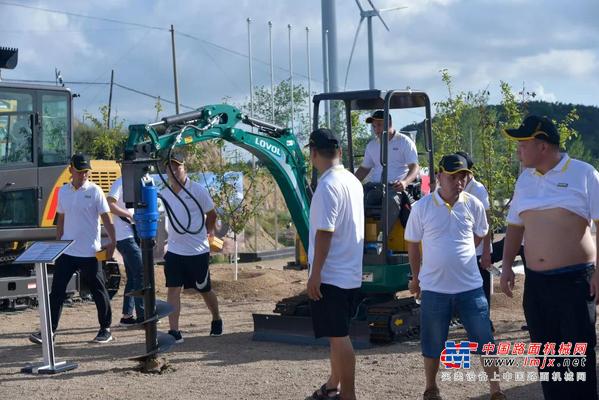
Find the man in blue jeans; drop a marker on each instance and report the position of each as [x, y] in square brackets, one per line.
[130, 251]
[449, 223]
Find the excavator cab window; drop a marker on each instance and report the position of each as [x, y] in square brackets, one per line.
[16, 128]
[55, 129]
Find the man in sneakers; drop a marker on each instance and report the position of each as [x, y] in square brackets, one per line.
[80, 203]
[186, 261]
[335, 258]
[443, 231]
[126, 245]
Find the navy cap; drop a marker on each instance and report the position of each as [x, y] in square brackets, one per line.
[453, 163]
[469, 161]
[80, 162]
[323, 139]
[535, 127]
[378, 114]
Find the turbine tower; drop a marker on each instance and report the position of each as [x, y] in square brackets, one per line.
[368, 14]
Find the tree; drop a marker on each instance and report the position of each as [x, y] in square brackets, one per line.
[235, 210]
[97, 141]
[262, 107]
[467, 118]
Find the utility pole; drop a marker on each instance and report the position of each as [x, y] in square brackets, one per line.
[272, 120]
[309, 78]
[110, 98]
[175, 69]
[291, 75]
[249, 21]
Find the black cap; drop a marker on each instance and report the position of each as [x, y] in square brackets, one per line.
[378, 114]
[469, 161]
[535, 127]
[176, 157]
[323, 139]
[453, 163]
[80, 162]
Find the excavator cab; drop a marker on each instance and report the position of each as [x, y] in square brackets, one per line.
[380, 316]
[386, 268]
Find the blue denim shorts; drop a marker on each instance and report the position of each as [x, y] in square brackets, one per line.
[436, 311]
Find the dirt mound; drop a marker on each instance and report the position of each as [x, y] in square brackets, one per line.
[257, 283]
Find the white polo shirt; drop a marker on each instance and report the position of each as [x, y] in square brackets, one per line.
[572, 185]
[82, 208]
[338, 206]
[447, 235]
[479, 191]
[401, 152]
[123, 229]
[187, 244]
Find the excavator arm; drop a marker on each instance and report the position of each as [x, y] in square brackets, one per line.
[277, 148]
[148, 145]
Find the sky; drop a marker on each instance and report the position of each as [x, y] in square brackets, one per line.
[550, 47]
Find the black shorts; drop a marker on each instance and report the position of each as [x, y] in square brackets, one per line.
[331, 315]
[187, 271]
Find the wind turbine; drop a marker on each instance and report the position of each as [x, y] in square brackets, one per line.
[368, 14]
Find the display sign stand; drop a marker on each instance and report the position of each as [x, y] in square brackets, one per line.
[43, 253]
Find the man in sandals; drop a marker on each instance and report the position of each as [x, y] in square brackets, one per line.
[555, 199]
[448, 223]
[335, 258]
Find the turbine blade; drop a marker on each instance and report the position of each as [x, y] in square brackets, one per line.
[353, 47]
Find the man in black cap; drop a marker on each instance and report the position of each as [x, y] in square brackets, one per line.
[335, 258]
[80, 203]
[402, 155]
[443, 231]
[555, 200]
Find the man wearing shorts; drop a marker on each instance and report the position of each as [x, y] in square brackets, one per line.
[335, 257]
[187, 258]
[448, 223]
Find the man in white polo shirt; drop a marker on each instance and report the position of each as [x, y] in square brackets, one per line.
[555, 200]
[80, 203]
[127, 245]
[448, 224]
[402, 156]
[335, 257]
[187, 259]
[485, 248]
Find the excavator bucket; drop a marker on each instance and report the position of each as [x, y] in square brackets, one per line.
[298, 330]
[292, 324]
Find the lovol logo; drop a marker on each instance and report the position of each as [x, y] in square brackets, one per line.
[270, 147]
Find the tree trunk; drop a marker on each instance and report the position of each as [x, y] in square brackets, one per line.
[235, 256]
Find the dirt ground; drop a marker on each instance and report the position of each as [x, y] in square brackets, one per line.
[231, 366]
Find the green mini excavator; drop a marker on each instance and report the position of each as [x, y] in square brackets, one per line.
[380, 316]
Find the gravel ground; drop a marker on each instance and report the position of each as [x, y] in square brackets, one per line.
[231, 366]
